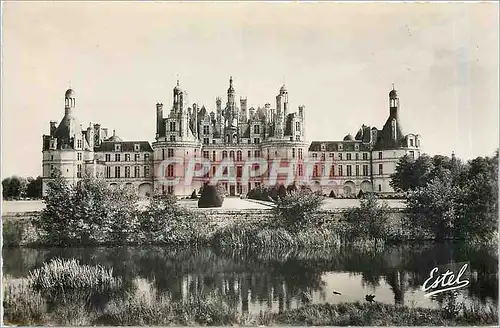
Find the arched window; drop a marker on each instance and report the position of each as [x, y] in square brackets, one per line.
[224, 154]
[238, 155]
[231, 154]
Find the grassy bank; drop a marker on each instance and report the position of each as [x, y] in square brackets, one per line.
[25, 305]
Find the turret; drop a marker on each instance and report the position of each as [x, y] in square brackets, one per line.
[159, 120]
[393, 102]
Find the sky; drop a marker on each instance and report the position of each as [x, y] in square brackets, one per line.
[339, 60]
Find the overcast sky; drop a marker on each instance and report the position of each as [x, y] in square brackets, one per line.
[339, 60]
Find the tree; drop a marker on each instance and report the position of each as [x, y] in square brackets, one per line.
[435, 208]
[14, 187]
[297, 209]
[89, 212]
[369, 220]
[34, 189]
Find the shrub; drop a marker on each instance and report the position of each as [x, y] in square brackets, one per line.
[211, 197]
[164, 221]
[369, 220]
[297, 210]
[88, 212]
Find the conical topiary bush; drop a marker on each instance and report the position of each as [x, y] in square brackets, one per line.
[210, 197]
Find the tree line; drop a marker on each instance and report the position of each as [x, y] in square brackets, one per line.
[16, 187]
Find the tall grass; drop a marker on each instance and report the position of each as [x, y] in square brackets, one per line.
[69, 275]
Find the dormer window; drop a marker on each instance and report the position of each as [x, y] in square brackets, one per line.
[340, 147]
[118, 147]
[137, 147]
[411, 142]
[323, 147]
[356, 146]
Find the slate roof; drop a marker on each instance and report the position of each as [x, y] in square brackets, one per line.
[331, 146]
[126, 146]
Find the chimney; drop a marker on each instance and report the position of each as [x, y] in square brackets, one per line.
[53, 127]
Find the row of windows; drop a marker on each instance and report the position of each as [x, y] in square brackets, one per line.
[340, 156]
[126, 158]
[127, 172]
[340, 170]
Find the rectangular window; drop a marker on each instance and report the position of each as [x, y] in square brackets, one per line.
[349, 170]
[117, 172]
[224, 154]
[79, 156]
[380, 169]
[239, 171]
[206, 141]
[172, 126]
[249, 154]
[297, 126]
[206, 129]
[170, 189]
[118, 147]
[315, 171]
[323, 156]
[412, 154]
[331, 155]
[136, 172]
[365, 170]
[379, 155]
[146, 171]
[256, 129]
[127, 171]
[257, 153]
[127, 157]
[340, 156]
[146, 157]
[239, 156]
[341, 171]
[51, 157]
[332, 171]
[108, 171]
[172, 138]
[213, 156]
[163, 154]
[206, 154]
[136, 157]
[170, 152]
[348, 156]
[411, 142]
[357, 156]
[315, 155]
[357, 170]
[379, 187]
[256, 140]
[79, 171]
[117, 157]
[365, 156]
[301, 170]
[300, 153]
[293, 152]
[170, 170]
[79, 142]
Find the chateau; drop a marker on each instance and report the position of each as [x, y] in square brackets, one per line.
[241, 147]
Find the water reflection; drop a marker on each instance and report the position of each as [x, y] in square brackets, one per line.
[281, 279]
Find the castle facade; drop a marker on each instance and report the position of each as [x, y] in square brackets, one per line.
[237, 146]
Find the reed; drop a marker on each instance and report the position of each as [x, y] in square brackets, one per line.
[69, 275]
